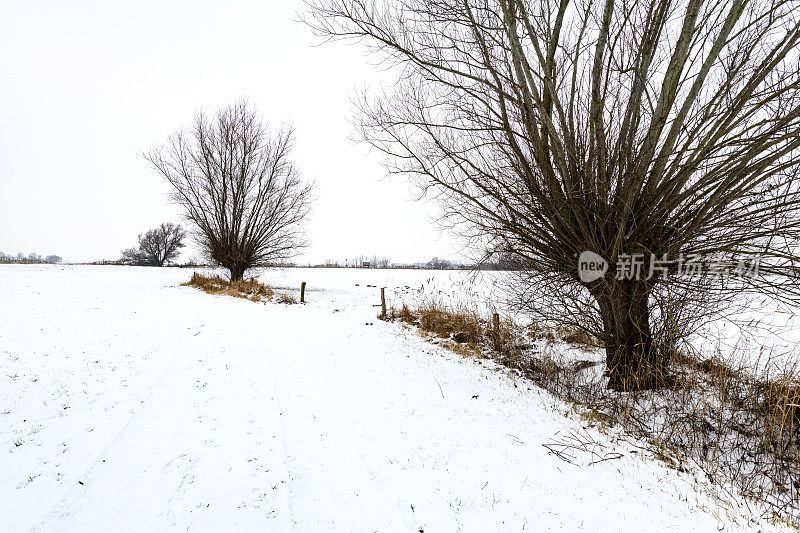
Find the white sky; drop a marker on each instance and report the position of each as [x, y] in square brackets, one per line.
[88, 86]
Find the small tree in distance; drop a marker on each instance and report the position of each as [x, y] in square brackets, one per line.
[156, 246]
[439, 264]
[238, 186]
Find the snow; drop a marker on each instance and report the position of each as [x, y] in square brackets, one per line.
[128, 402]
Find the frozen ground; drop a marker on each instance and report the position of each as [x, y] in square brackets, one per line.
[130, 403]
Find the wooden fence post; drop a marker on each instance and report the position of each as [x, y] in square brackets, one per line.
[303, 292]
[383, 303]
[496, 331]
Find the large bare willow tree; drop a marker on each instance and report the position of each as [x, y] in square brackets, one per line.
[237, 184]
[667, 128]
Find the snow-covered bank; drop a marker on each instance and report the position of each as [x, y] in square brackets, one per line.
[128, 402]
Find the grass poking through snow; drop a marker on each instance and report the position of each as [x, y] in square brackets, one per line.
[740, 428]
[250, 289]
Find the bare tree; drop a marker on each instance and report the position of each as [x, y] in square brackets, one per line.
[357, 261]
[238, 186]
[134, 256]
[157, 246]
[439, 264]
[380, 261]
[552, 127]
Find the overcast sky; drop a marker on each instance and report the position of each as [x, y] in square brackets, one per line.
[88, 86]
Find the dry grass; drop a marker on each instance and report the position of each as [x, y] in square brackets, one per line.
[741, 429]
[250, 289]
[462, 329]
[283, 298]
[578, 337]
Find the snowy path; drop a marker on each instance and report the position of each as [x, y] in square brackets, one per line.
[128, 403]
[206, 435]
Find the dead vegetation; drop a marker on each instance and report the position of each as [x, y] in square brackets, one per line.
[250, 289]
[739, 426]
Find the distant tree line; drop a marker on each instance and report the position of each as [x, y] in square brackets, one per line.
[359, 261]
[32, 258]
[435, 263]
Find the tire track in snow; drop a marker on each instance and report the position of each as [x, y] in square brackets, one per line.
[75, 491]
[201, 438]
[321, 421]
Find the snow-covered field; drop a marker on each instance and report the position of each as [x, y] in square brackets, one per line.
[130, 403]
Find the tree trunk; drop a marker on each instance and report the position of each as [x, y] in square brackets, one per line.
[633, 360]
[237, 273]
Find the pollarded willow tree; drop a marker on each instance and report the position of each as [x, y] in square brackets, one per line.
[238, 186]
[666, 128]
